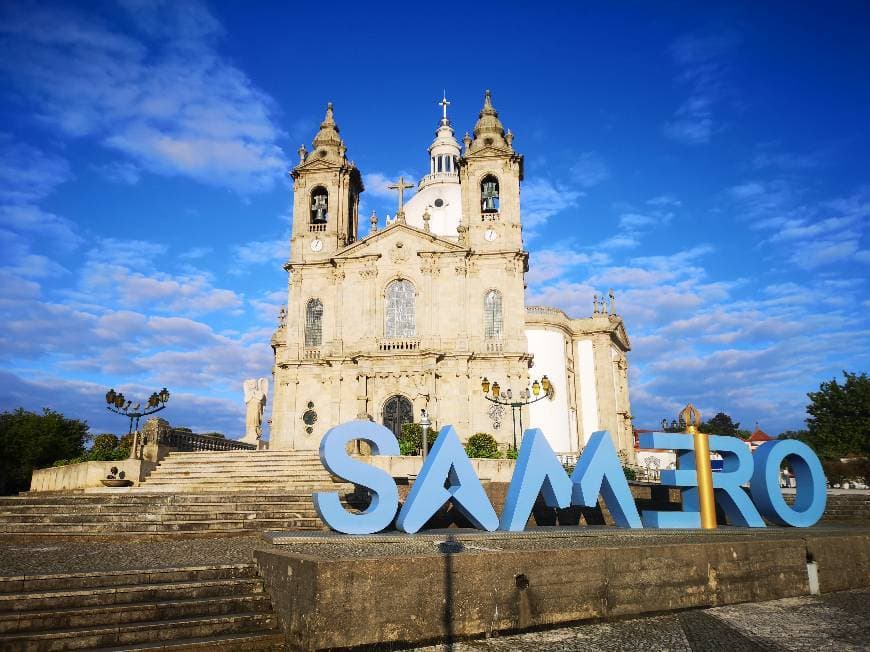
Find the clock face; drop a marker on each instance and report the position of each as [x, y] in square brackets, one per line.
[316, 244]
[490, 235]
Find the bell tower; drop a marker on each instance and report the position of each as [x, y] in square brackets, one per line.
[326, 188]
[490, 172]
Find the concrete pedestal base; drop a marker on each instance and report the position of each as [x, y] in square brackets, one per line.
[335, 591]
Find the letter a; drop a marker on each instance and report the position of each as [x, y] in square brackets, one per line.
[537, 471]
[385, 498]
[447, 463]
[598, 471]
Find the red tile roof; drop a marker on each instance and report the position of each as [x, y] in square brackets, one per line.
[760, 435]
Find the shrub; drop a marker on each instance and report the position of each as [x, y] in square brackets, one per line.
[511, 453]
[482, 445]
[411, 439]
[836, 472]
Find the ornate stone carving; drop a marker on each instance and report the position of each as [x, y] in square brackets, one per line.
[399, 253]
[369, 270]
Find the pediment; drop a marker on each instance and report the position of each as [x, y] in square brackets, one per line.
[621, 335]
[398, 233]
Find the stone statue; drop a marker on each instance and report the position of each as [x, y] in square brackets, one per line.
[255, 403]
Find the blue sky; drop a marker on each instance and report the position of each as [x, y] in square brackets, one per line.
[708, 163]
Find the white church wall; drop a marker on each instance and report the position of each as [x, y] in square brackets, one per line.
[551, 416]
[588, 391]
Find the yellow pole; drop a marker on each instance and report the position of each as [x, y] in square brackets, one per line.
[692, 419]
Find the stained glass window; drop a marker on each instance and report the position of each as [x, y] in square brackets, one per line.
[492, 315]
[313, 323]
[399, 320]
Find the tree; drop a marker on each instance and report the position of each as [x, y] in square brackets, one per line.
[29, 440]
[721, 424]
[839, 422]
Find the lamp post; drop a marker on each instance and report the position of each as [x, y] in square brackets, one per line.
[118, 404]
[524, 399]
[424, 424]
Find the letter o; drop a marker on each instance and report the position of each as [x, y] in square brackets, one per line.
[811, 486]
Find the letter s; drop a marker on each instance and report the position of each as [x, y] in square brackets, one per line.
[385, 498]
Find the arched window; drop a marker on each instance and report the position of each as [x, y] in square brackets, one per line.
[314, 323]
[399, 320]
[489, 194]
[492, 314]
[319, 205]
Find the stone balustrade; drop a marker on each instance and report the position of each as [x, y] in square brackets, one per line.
[399, 345]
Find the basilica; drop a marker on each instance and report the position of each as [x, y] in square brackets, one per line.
[428, 313]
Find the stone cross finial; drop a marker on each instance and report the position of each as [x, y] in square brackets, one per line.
[444, 104]
[400, 186]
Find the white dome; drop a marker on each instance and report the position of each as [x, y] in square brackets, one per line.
[443, 200]
[439, 191]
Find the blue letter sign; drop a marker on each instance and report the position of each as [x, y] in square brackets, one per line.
[448, 476]
[447, 463]
[385, 498]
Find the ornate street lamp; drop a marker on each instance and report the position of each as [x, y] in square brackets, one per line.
[492, 392]
[118, 403]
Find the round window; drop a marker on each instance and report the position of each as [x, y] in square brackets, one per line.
[309, 418]
[439, 202]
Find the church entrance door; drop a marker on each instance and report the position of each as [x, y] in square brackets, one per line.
[398, 410]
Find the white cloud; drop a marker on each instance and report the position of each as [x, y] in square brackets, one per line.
[258, 252]
[377, 184]
[702, 65]
[170, 101]
[121, 172]
[541, 199]
[589, 170]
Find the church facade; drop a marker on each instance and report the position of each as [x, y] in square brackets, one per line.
[417, 314]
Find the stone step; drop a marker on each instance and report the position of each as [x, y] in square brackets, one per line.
[144, 497]
[252, 642]
[121, 509]
[148, 518]
[125, 594]
[128, 634]
[242, 456]
[217, 526]
[113, 579]
[91, 616]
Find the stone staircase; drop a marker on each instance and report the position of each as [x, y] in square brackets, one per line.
[189, 494]
[205, 608]
[239, 471]
[848, 507]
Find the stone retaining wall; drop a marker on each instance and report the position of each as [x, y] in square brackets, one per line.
[327, 601]
[85, 475]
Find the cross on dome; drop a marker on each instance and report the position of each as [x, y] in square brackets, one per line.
[444, 104]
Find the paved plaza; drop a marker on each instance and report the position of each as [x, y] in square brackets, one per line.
[836, 621]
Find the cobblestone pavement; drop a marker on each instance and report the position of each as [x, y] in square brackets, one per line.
[46, 558]
[836, 621]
